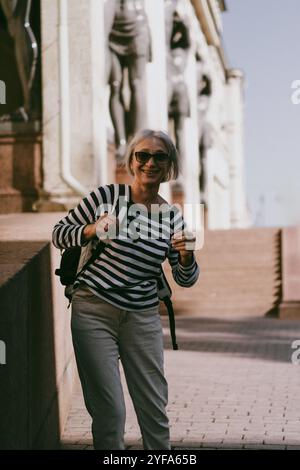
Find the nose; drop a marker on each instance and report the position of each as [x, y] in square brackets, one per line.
[151, 162]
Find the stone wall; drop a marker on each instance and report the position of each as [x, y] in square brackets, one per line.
[39, 370]
[290, 305]
[20, 176]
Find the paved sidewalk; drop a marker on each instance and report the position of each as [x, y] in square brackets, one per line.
[231, 385]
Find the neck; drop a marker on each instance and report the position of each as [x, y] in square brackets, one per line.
[144, 193]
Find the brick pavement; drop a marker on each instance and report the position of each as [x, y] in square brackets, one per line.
[231, 385]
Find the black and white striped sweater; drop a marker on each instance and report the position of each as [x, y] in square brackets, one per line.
[125, 273]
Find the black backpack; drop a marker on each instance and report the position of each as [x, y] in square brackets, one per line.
[68, 272]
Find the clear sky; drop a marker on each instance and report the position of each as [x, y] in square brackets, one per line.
[262, 37]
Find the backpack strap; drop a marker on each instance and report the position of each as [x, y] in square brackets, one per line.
[169, 305]
[165, 293]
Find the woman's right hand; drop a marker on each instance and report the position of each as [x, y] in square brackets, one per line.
[90, 230]
[106, 227]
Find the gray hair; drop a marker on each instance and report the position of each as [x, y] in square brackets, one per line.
[173, 169]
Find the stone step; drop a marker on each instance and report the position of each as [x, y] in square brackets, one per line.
[240, 274]
[240, 310]
[223, 301]
[230, 276]
[226, 291]
[244, 234]
[242, 258]
[242, 284]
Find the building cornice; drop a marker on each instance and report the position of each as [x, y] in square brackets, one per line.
[222, 5]
[208, 13]
[215, 12]
[207, 22]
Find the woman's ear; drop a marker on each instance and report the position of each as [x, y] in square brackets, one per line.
[130, 167]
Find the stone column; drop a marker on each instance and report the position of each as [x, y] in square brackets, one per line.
[235, 133]
[74, 142]
[156, 75]
[156, 98]
[218, 197]
[157, 105]
[156, 79]
[191, 167]
[189, 178]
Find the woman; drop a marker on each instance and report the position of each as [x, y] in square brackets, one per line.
[115, 304]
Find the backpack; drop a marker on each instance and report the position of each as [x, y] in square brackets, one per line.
[75, 260]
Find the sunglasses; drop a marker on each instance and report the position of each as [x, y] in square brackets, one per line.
[160, 158]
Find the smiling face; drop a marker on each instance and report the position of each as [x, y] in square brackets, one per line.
[152, 171]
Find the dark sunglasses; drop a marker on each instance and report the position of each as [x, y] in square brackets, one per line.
[160, 158]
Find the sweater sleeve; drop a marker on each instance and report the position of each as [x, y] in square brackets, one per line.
[68, 232]
[185, 276]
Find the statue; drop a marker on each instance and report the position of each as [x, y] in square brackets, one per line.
[204, 129]
[130, 49]
[17, 14]
[178, 100]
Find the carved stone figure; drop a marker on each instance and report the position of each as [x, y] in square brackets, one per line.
[204, 130]
[130, 49]
[178, 100]
[17, 14]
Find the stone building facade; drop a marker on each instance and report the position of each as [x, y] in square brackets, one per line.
[49, 164]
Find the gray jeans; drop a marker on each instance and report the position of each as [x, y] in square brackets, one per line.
[101, 334]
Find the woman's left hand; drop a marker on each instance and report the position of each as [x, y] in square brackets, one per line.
[184, 242]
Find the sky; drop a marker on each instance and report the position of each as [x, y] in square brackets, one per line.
[262, 37]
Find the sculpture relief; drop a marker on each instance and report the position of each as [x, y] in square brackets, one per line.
[17, 14]
[178, 42]
[129, 48]
[204, 129]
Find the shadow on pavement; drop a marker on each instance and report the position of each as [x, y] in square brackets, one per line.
[268, 339]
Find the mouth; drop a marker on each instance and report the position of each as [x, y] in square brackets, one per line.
[150, 173]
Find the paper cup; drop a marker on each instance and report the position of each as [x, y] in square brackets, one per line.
[188, 234]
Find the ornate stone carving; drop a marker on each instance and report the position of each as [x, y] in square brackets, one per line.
[178, 43]
[129, 48]
[17, 15]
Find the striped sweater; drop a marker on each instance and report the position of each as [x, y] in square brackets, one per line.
[126, 272]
